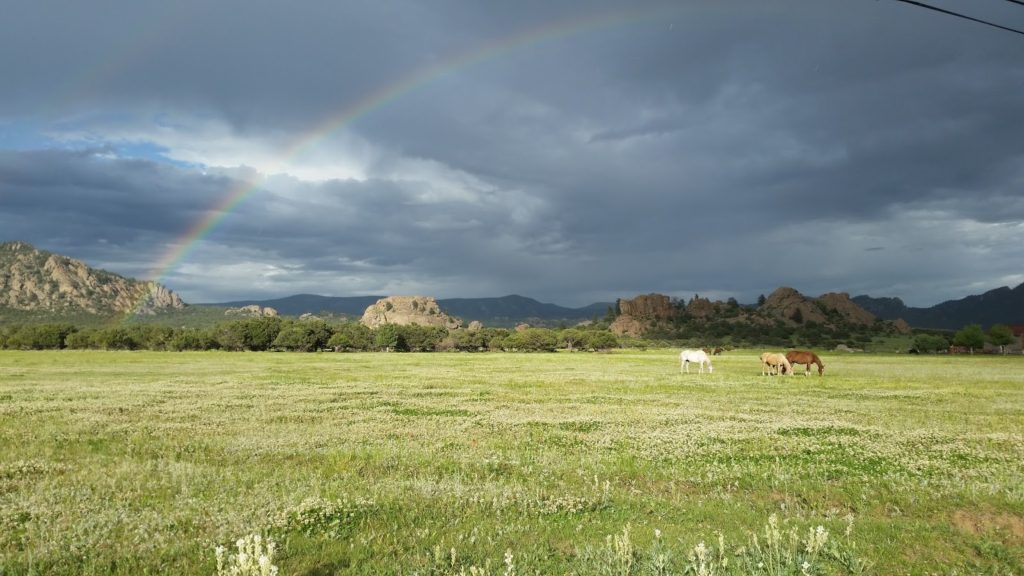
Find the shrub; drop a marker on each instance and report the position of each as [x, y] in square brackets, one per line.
[303, 336]
[351, 336]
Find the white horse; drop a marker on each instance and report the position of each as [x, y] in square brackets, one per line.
[695, 356]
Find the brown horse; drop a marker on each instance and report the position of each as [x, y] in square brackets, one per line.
[806, 358]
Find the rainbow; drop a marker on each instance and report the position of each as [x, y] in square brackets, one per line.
[187, 242]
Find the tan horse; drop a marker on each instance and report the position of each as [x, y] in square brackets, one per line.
[806, 358]
[773, 363]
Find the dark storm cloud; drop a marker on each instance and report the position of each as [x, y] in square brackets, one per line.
[88, 204]
[625, 148]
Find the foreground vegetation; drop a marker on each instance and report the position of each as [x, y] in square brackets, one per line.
[140, 462]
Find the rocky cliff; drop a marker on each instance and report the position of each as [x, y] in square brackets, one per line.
[638, 314]
[647, 307]
[32, 279]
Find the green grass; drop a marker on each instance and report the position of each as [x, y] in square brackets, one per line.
[138, 462]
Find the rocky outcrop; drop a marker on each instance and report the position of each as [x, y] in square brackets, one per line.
[793, 307]
[404, 310]
[848, 309]
[626, 325]
[638, 314]
[702, 307]
[647, 307]
[32, 279]
[252, 311]
[901, 326]
[831, 308]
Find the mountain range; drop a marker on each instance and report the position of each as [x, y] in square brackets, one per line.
[1000, 306]
[37, 281]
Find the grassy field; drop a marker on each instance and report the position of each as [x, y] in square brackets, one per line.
[142, 463]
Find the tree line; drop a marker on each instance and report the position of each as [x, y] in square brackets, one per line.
[306, 335]
[971, 337]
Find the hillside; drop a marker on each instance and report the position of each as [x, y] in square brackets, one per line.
[37, 281]
[1000, 306]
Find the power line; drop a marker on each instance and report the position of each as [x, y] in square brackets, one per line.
[964, 16]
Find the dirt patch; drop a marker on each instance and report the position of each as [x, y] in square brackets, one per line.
[977, 523]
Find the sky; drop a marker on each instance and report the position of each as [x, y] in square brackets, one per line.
[569, 151]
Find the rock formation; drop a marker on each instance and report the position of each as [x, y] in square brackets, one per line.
[422, 310]
[901, 326]
[647, 307]
[638, 314]
[830, 308]
[702, 307]
[626, 325]
[32, 279]
[848, 309]
[792, 306]
[252, 311]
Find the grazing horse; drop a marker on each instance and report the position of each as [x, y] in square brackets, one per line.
[772, 363]
[806, 358]
[696, 356]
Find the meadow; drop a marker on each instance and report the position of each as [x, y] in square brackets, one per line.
[500, 463]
